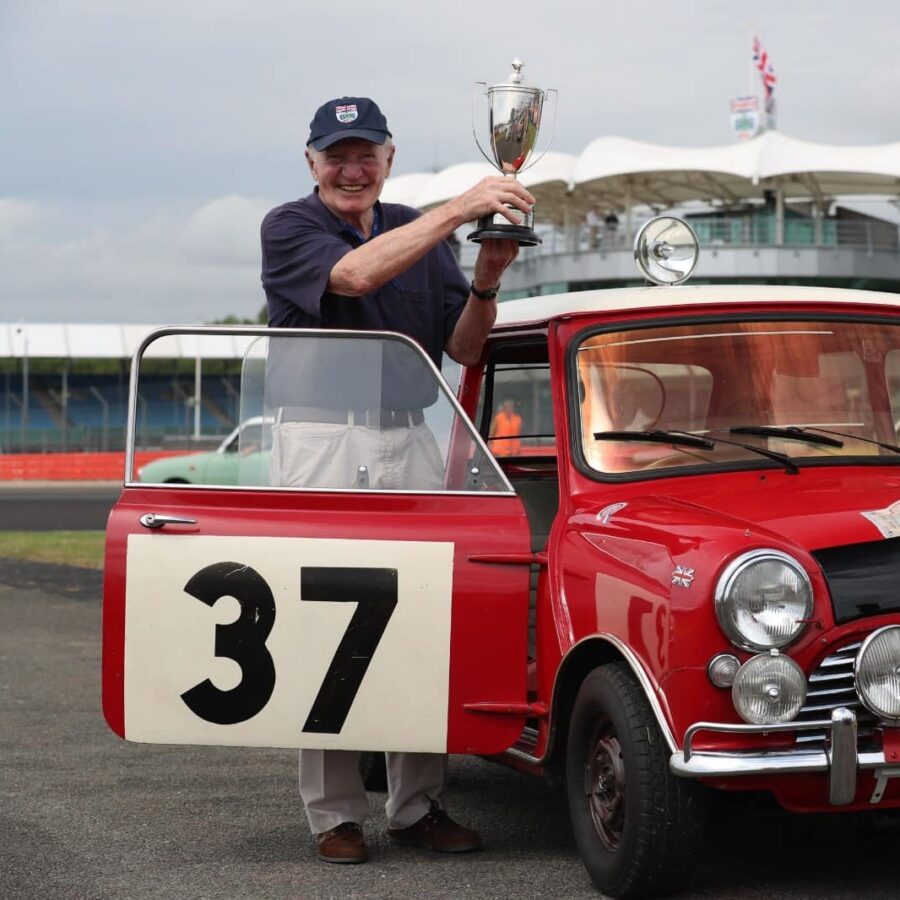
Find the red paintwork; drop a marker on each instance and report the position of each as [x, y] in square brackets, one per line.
[616, 579]
[598, 581]
[488, 629]
[809, 793]
[891, 744]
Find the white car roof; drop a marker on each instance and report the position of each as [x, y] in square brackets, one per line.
[535, 310]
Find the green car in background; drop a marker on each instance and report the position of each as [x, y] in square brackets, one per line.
[239, 459]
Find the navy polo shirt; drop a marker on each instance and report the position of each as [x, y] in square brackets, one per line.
[301, 243]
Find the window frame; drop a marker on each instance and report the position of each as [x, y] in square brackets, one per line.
[461, 418]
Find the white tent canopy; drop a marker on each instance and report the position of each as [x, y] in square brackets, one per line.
[548, 179]
[20, 340]
[619, 173]
[404, 188]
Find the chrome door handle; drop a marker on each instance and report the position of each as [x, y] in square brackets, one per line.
[155, 520]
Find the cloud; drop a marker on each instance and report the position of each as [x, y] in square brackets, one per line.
[160, 262]
[141, 136]
[225, 232]
[17, 218]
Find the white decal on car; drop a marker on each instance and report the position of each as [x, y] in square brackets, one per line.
[886, 520]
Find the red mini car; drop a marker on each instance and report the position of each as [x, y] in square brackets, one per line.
[685, 577]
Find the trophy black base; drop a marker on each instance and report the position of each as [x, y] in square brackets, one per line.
[488, 230]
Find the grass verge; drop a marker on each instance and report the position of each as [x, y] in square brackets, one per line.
[71, 548]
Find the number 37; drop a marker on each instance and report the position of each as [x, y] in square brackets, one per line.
[374, 590]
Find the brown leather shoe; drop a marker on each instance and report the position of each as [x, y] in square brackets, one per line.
[343, 844]
[437, 831]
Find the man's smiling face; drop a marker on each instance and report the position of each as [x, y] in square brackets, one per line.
[351, 175]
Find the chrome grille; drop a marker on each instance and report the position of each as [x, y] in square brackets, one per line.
[829, 687]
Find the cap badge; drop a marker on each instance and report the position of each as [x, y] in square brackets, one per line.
[346, 114]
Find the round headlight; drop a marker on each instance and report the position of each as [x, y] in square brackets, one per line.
[762, 600]
[877, 671]
[768, 689]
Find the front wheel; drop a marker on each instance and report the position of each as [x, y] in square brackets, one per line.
[637, 826]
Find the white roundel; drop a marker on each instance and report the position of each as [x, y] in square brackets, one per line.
[288, 642]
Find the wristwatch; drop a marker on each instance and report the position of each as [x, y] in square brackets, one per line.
[489, 294]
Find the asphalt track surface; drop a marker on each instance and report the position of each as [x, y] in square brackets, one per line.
[56, 506]
[86, 815]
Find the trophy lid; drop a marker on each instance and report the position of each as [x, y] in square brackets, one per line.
[514, 79]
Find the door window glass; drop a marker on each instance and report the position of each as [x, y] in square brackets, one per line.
[318, 411]
[519, 419]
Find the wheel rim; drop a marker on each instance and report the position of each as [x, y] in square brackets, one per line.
[606, 786]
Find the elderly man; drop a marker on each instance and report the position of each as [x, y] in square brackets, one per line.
[341, 259]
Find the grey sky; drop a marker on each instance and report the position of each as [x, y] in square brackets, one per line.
[143, 140]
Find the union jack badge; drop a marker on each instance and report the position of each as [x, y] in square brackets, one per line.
[346, 113]
[682, 576]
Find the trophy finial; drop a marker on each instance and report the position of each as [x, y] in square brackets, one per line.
[516, 74]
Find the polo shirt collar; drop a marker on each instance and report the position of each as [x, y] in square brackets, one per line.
[346, 227]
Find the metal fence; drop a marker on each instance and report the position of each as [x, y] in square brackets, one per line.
[25, 438]
[716, 231]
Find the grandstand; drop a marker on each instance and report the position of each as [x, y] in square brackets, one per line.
[65, 388]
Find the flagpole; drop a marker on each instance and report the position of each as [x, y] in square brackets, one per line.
[754, 79]
[750, 57]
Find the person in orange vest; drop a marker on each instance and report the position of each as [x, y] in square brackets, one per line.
[505, 430]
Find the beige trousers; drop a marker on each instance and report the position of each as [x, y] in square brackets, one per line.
[325, 455]
[332, 789]
[318, 455]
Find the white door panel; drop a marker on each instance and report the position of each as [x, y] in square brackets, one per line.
[387, 688]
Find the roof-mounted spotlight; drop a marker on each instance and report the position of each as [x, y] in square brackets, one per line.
[666, 250]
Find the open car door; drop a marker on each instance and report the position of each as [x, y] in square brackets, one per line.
[288, 611]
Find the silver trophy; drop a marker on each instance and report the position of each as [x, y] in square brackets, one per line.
[514, 120]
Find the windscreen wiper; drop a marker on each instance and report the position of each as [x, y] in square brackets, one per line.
[853, 437]
[792, 432]
[782, 458]
[656, 436]
[686, 439]
[806, 433]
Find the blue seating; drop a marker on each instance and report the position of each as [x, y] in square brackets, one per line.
[164, 409]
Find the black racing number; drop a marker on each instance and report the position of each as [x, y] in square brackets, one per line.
[375, 593]
[243, 640]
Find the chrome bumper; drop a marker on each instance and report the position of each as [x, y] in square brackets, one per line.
[841, 759]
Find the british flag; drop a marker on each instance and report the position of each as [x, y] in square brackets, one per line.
[766, 72]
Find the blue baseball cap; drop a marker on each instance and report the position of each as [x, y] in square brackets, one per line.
[347, 117]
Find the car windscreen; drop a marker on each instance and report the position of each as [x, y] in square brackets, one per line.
[756, 392]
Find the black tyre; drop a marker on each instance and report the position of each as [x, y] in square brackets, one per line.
[637, 826]
[373, 768]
